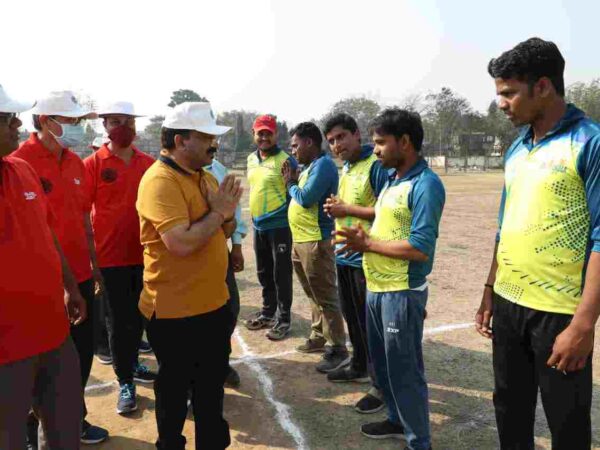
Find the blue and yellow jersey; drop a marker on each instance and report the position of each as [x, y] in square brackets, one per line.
[408, 209]
[550, 215]
[360, 184]
[268, 194]
[306, 216]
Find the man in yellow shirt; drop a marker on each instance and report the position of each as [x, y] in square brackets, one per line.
[185, 220]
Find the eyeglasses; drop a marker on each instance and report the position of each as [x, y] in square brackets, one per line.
[8, 117]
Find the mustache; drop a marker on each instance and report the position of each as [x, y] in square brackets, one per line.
[212, 150]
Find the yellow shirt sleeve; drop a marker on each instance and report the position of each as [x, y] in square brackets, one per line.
[162, 203]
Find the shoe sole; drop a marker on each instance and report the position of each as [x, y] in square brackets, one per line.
[141, 380]
[344, 363]
[312, 350]
[104, 362]
[93, 441]
[370, 411]
[278, 338]
[262, 326]
[145, 351]
[127, 411]
[353, 380]
[383, 436]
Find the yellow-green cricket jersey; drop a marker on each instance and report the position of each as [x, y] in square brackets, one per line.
[550, 215]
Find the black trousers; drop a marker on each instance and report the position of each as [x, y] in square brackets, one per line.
[102, 325]
[125, 327]
[273, 250]
[83, 335]
[352, 291]
[522, 343]
[192, 354]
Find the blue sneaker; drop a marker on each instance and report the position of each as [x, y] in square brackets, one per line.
[142, 374]
[127, 402]
[91, 434]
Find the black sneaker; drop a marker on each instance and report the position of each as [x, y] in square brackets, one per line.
[348, 374]
[332, 360]
[258, 322]
[142, 374]
[383, 430]
[127, 402]
[233, 379]
[91, 434]
[104, 357]
[369, 404]
[145, 347]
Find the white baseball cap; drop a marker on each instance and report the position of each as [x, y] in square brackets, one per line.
[9, 105]
[196, 116]
[123, 108]
[62, 103]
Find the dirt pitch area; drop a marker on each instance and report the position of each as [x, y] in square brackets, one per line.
[283, 403]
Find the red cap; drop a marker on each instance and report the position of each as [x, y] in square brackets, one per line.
[265, 122]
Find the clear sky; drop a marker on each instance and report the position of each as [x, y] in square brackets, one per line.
[290, 58]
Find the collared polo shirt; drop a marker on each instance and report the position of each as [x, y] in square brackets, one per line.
[32, 311]
[64, 184]
[113, 187]
[179, 286]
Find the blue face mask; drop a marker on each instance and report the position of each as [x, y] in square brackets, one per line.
[72, 135]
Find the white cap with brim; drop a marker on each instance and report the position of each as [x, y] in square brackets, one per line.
[120, 108]
[62, 103]
[10, 105]
[196, 116]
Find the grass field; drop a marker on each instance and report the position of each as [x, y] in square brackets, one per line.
[284, 403]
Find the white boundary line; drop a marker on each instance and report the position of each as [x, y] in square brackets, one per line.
[443, 328]
[97, 387]
[282, 410]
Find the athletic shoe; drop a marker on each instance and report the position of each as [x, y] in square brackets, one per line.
[104, 358]
[233, 379]
[333, 359]
[127, 402]
[142, 374]
[383, 430]
[279, 331]
[258, 322]
[369, 404]
[91, 434]
[145, 347]
[311, 346]
[348, 374]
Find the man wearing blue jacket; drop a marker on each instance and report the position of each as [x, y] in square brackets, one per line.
[312, 252]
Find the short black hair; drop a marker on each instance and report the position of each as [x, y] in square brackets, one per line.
[343, 120]
[529, 61]
[308, 130]
[398, 122]
[167, 137]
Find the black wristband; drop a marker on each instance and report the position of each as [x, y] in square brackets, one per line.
[491, 286]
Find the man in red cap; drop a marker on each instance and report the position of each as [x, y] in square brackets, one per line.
[269, 203]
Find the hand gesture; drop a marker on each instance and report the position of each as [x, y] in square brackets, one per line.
[354, 240]
[225, 199]
[289, 174]
[335, 207]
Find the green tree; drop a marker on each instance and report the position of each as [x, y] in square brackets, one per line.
[185, 95]
[496, 124]
[586, 97]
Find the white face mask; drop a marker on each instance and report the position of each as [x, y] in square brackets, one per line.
[72, 135]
